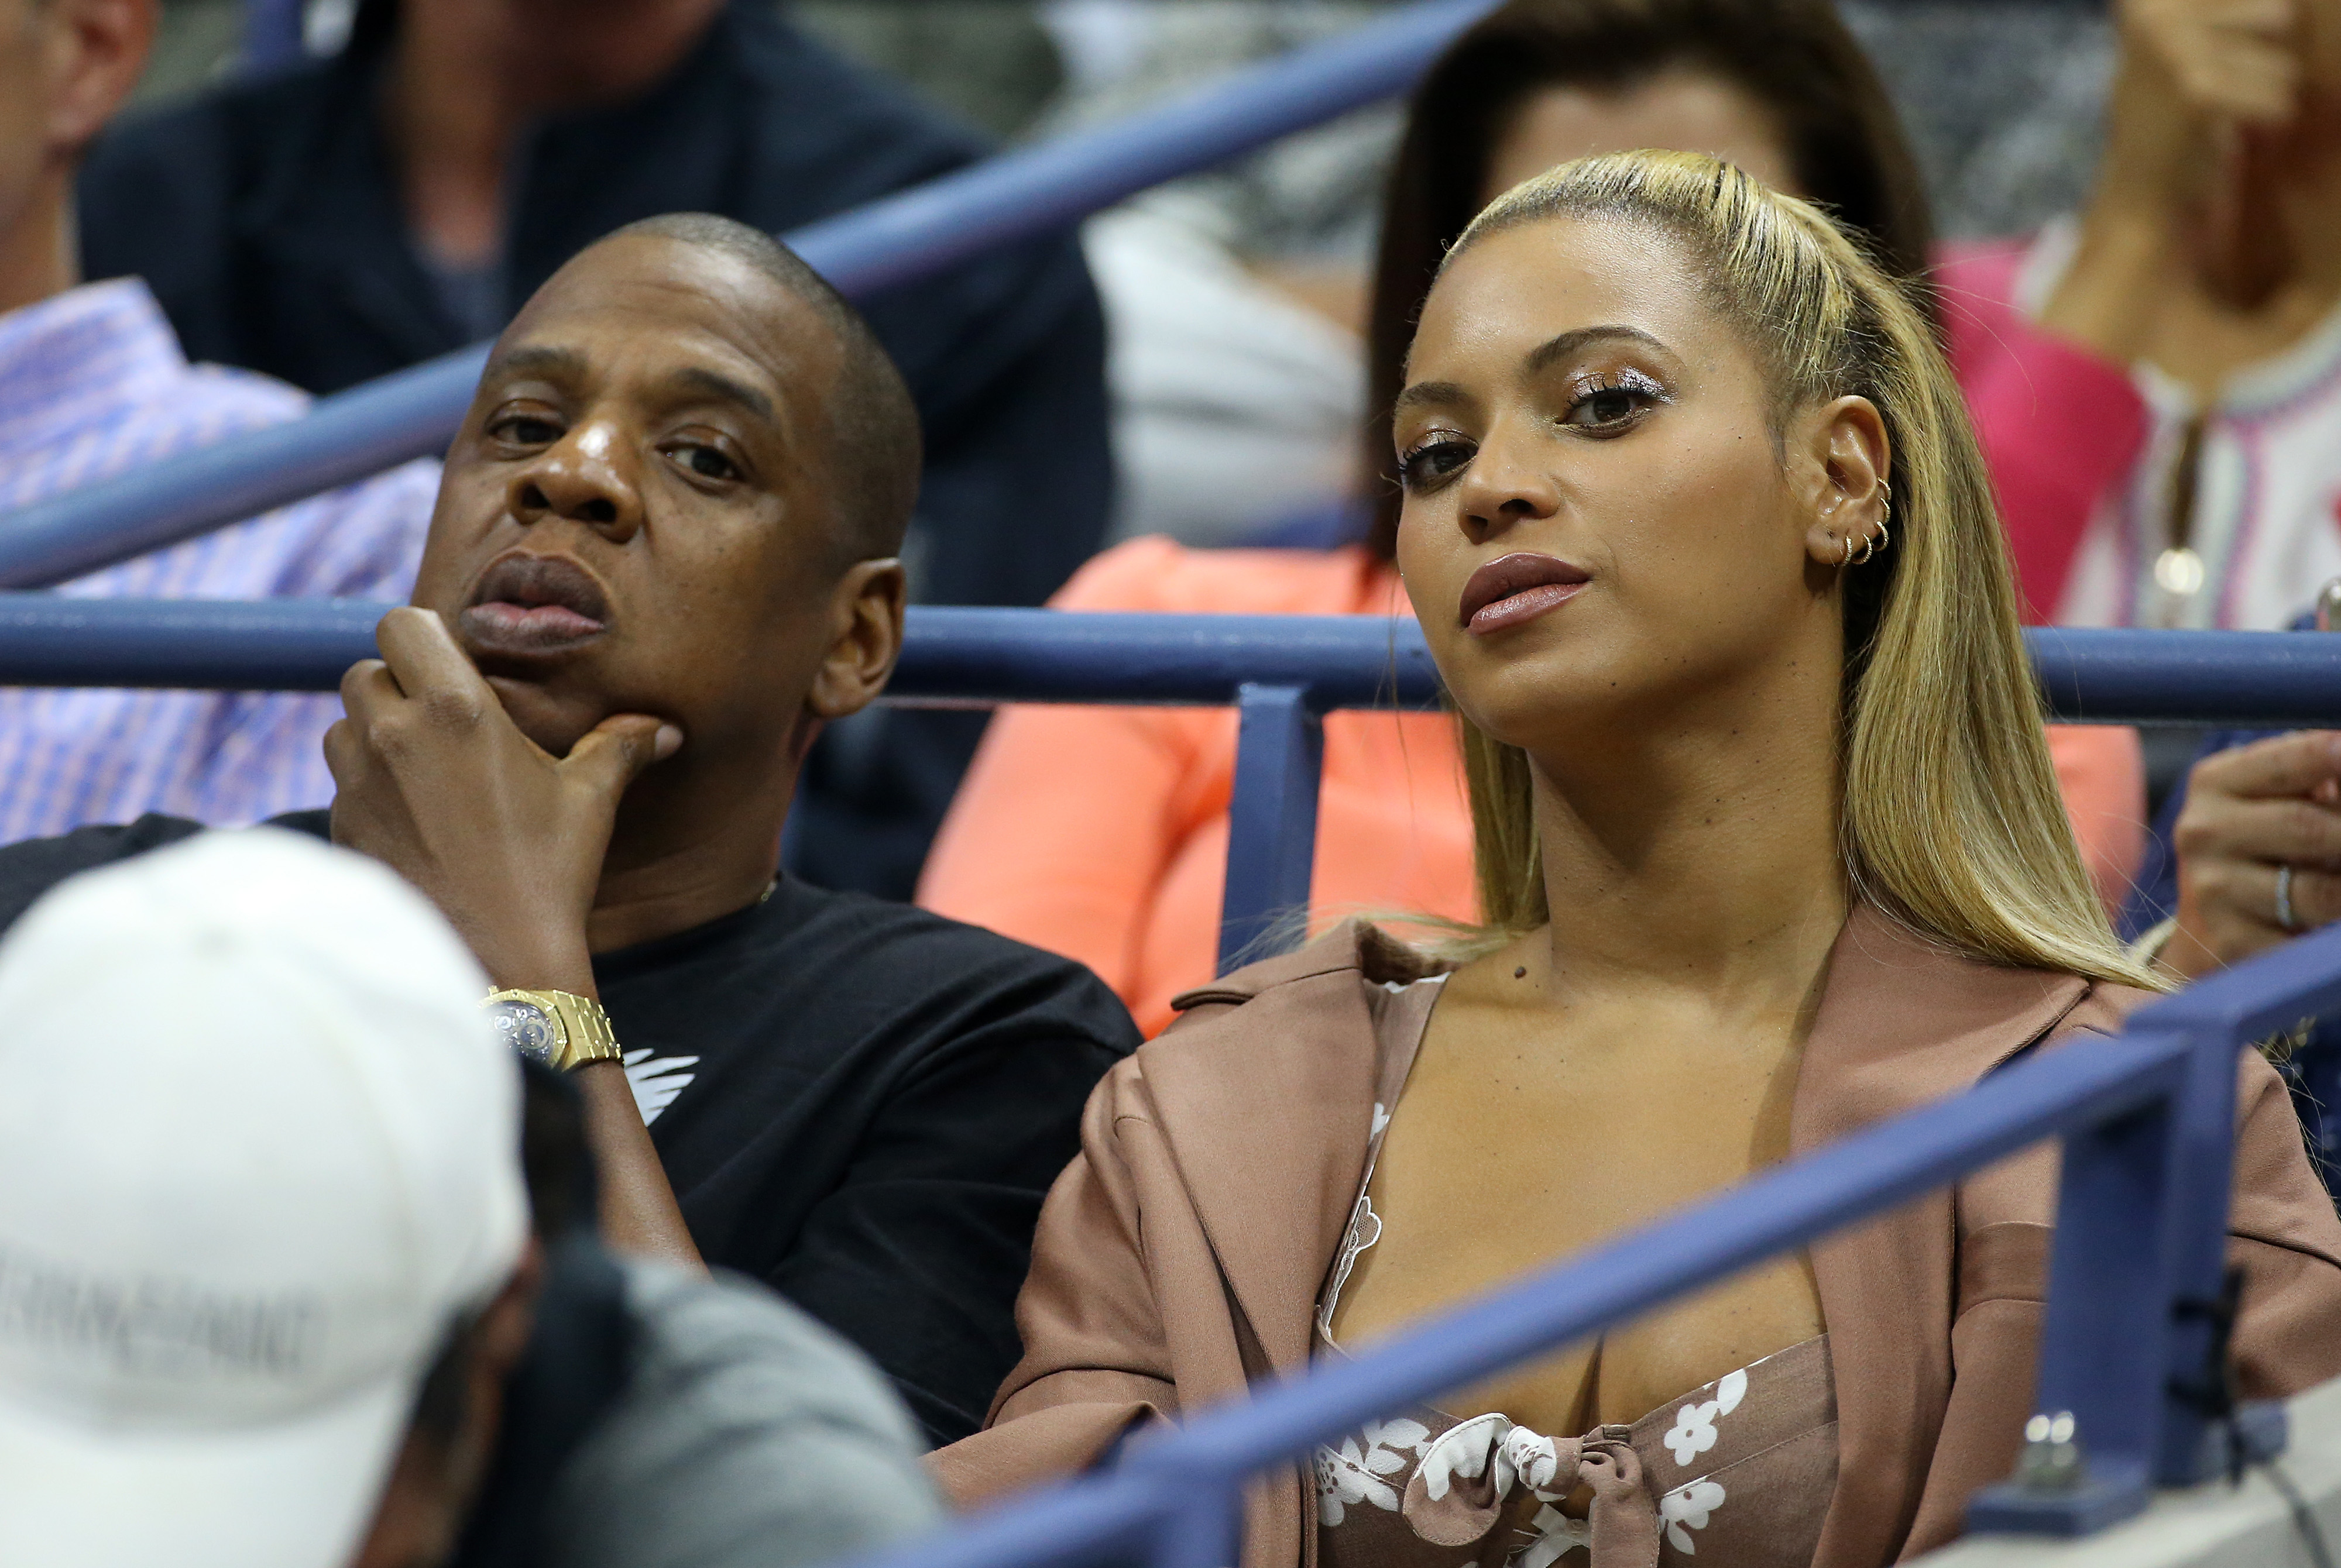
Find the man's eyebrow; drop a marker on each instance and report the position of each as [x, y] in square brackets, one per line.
[718, 385]
[541, 358]
[1569, 343]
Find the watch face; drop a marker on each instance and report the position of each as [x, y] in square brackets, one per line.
[526, 1027]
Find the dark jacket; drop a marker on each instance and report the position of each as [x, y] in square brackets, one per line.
[265, 216]
[859, 1103]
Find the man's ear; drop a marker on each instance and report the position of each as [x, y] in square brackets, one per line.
[1844, 456]
[865, 618]
[97, 49]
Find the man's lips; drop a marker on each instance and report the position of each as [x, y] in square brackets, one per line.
[527, 604]
[1518, 586]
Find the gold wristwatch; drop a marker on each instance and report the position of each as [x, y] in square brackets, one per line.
[558, 1028]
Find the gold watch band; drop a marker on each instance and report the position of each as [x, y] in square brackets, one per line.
[580, 1029]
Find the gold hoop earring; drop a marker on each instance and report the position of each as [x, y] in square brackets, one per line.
[1845, 559]
[1872, 543]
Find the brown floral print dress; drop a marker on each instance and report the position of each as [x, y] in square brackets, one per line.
[1737, 1473]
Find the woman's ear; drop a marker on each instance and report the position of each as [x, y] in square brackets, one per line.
[1847, 457]
[865, 615]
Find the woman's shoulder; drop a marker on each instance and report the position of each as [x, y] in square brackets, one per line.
[1354, 954]
[1160, 574]
[2104, 1007]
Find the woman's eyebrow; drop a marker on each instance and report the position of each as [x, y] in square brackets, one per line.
[1434, 394]
[1569, 342]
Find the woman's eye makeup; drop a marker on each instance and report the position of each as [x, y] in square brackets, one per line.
[1435, 456]
[1610, 403]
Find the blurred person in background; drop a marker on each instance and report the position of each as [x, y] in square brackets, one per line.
[666, 1418]
[381, 1369]
[92, 384]
[2158, 384]
[663, 558]
[263, 1272]
[1101, 833]
[357, 215]
[2157, 380]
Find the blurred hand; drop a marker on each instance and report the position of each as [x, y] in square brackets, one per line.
[435, 782]
[2229, 60]
[2249, 811]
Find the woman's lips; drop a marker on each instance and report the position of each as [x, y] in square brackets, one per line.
[1516, 588]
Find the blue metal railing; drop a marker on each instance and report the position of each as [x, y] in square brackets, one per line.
[273, 31]
[2147, 1119]
[891, 241]
[1282, 673]
[2148, 1124]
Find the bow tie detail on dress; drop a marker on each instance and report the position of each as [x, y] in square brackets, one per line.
[1468, 1472]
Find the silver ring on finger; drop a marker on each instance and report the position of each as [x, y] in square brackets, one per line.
[2284, 917]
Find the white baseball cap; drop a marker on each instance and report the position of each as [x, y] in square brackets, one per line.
[259, 1149]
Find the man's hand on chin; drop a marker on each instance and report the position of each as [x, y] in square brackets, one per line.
[434, 780]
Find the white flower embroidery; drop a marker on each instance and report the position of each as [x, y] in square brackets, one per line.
[1343, 1477]
[1402, 1433]
[1693, 1433]
[1686, 1509]
[656, 1080]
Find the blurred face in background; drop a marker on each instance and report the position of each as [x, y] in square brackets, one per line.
[1683, 108]
[24, 102]
[65, 65]
[562, 53]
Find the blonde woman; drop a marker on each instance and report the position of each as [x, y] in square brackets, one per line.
[1770, 848]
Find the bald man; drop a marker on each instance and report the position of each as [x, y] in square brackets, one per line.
[662, 559]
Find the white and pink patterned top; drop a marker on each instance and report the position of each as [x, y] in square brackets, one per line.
[93, 383]
[2087, 458]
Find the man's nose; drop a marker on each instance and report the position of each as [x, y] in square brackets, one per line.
[584, 478]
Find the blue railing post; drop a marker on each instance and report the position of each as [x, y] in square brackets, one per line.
[1271, 816]
[273, 33]
[2202, 1185]
[2103, 1348]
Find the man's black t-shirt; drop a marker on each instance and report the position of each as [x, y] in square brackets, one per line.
[860, 1102]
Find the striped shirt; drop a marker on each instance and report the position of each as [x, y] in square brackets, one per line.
[93, 383]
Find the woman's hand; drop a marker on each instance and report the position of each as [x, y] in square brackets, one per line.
[2181, 228]
[2249, 813]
